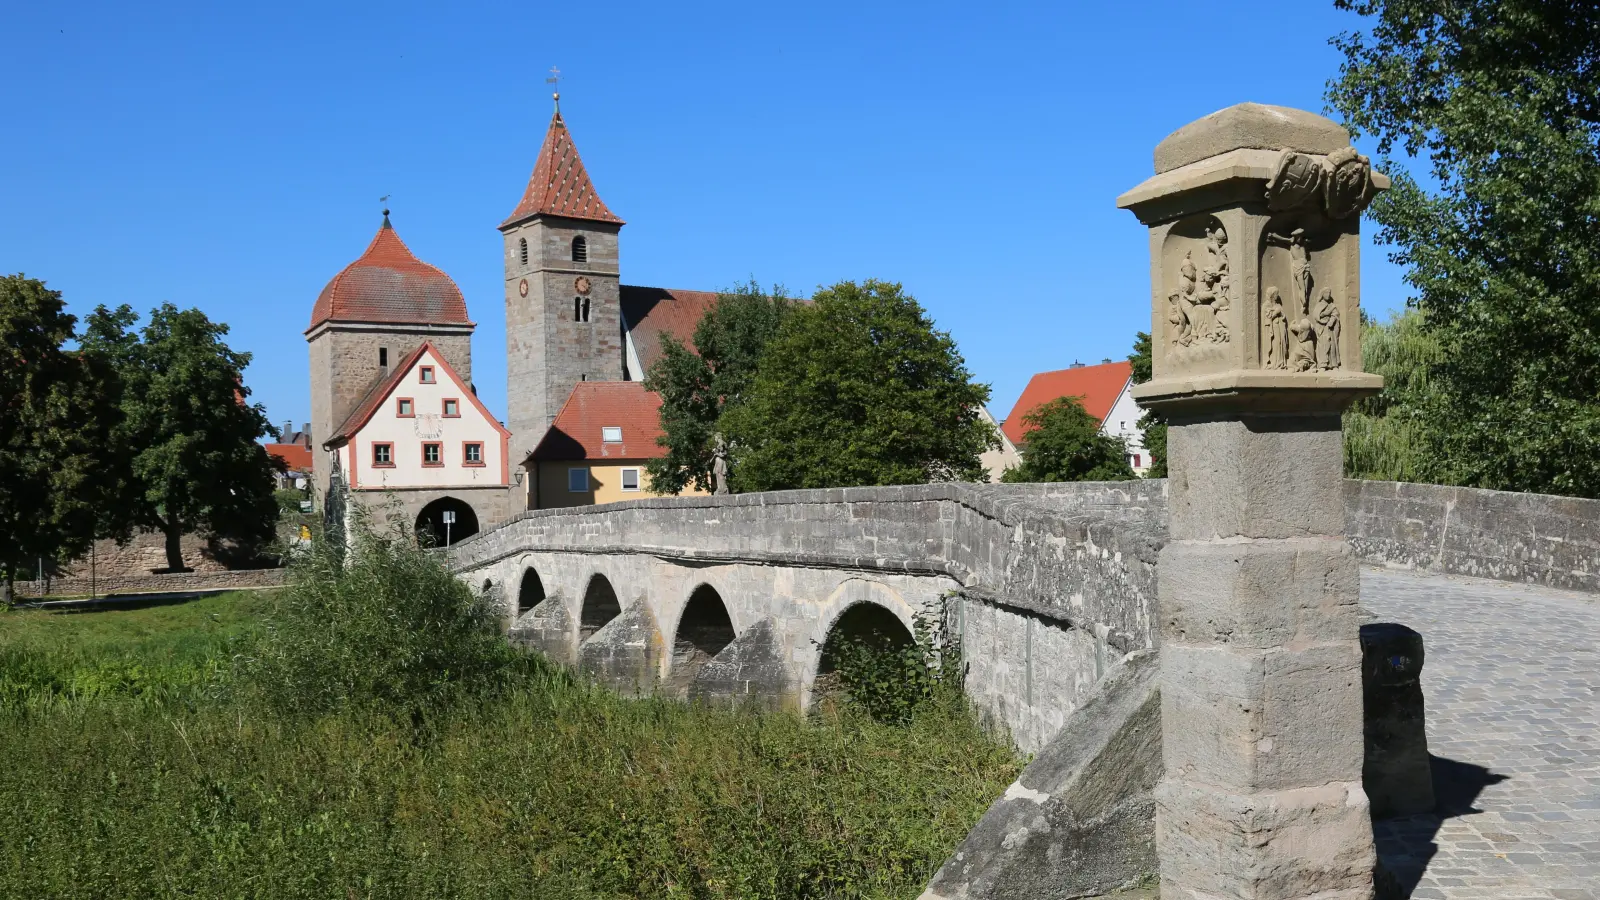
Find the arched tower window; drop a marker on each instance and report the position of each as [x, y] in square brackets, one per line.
[580, 249]
[586, 309]
[522, 249]
[580, 309]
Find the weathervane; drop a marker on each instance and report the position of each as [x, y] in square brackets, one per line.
[385, 201]
[555, 79]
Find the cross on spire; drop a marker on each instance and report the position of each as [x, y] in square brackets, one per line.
[555, 79]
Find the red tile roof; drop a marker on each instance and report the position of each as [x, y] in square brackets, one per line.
[389, 284]
[593, 405]
[296, 457]
[652, 312]
[1097, 386]
[560, 185]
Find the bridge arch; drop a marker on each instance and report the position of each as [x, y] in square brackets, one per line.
[705, 628]
[600, 606]
[858, 609]
[434, 531]
[530, 591]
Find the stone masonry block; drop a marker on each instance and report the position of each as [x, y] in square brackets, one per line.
[1280, 845]
[1259, 594]
[1260, 476]
[1262, 720]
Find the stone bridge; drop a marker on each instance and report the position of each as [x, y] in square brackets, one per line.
[1046, 587]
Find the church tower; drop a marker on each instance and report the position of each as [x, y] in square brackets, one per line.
[563, 309]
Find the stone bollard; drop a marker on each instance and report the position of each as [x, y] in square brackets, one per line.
[1255, 275]
[1397, 773]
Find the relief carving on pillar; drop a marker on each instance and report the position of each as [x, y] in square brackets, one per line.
[1199, 305]
[1339, 184]
[1305, 336]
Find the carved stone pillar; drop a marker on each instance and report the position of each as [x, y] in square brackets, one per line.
[1255, 277]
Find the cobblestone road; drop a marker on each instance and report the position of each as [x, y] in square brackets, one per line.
[1512, 682]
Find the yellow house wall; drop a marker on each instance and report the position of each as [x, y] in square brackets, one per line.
[605, 483]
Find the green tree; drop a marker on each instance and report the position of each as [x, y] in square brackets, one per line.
[1062, 442]
[697, 385]
[51, 425]
[1501, 99]
[858, 388]
[187, 442]
[1388, 437]
[1152, 427]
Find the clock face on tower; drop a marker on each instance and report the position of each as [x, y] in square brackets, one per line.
[582, 284]
[522, 287]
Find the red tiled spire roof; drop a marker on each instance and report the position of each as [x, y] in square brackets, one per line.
[1098, 387]
[389, 284]
[560, 185]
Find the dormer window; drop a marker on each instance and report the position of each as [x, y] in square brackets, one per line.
[425, 374]
[611, 434]
[580, 249]
[522, 249]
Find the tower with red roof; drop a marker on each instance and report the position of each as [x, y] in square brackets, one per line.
[563, 304]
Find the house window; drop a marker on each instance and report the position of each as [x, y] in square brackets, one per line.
[522, 250]
[611, 434]
[472, 453]
[383, 456]
[452, 408]
[404, 407]
[630, 479]
[577, 481]
[580, 249]
[1134, 460]
[383, 357]
[425, 375]
[432, 453]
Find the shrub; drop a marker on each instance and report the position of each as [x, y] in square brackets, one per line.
[380, 621]
[890, 678]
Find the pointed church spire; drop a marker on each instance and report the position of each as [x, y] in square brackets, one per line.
[560, 185]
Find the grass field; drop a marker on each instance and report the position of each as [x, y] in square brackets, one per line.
[132, 765]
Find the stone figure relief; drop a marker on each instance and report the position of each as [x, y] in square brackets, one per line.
[1327, 323]
[1197, 310]
[1316, 329]
[1340, 183]
[1276, 339]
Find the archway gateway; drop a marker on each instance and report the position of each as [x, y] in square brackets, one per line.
[446, 521]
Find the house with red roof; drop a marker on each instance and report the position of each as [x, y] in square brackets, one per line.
[597, 448]
[1105, 392]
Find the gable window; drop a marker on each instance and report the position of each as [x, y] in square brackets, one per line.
[630, 479]
[404, 407]
[383, 357]
[432, 453]
[383, 456]
[580, 249]
[611, 434]
[522, 250]
[425, 374]
[472, 453]
[577, 481]
[452, 408]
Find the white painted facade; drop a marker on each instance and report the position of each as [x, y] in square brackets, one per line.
[1123, 422]
[407, 430]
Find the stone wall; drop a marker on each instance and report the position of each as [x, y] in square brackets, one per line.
[1534, 538]
[173, 582]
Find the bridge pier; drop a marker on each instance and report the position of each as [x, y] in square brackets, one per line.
[1257, 589]
[626, 653]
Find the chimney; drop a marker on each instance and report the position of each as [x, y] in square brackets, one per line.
[288, 428]
[305, 434]
[1104, 361]
[1075, 365]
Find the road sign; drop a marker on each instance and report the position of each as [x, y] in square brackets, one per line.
[449, 517]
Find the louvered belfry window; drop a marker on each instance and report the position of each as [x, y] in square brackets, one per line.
[580, 249]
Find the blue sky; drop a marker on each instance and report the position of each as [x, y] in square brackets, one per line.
[231, 157]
